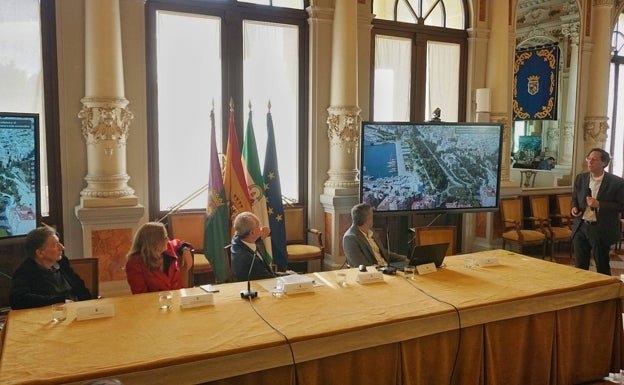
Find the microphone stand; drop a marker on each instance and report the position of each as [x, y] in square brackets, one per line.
[249, 294]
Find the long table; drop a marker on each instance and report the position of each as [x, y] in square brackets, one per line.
[525, 321]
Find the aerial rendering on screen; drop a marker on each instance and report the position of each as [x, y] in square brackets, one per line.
[430, 167]
[18, 181]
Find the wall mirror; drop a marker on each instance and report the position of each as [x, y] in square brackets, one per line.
[546, 32]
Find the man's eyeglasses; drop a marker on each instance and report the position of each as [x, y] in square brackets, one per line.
[593, 159]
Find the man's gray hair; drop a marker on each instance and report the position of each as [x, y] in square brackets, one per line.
[360, 213]
[244, 223]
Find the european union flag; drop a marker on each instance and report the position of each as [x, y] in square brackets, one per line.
[273, 191]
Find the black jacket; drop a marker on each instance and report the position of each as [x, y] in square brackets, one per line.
[242, 257]
[30, 288]
[611, 198]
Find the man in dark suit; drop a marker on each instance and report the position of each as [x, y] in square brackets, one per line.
[247, 249]
[361, 245]
[597, 200]
[45, 277]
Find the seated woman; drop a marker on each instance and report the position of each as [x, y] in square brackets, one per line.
[154, 262]
[45, 277]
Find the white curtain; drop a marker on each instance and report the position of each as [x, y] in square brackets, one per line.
[189, 82]
[392, 78]
[442, 80]
[271, 73]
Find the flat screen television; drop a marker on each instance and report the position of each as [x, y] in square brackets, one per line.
[430, 167]
[19, 174]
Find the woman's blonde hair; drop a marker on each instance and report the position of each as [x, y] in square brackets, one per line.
[146, 244]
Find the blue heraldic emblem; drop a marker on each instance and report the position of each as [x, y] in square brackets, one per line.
[535, 83]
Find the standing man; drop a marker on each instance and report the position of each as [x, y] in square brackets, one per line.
[361, 245]
[247, 260]
[597, 200]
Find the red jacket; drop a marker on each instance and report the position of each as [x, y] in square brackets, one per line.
[141, 280]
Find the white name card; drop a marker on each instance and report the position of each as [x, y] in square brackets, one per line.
[296, 284]
[426, 268]
[194, 297]
[101, 310]
[487, 261]
[369, 277]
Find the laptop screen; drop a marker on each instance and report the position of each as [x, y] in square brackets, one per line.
[422, 254]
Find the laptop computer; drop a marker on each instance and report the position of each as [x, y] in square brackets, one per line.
[422, 254]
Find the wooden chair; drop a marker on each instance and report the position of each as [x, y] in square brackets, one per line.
[437, 234]
[227, 254]
[88, 270]
[563, 210]
[514, 232]
[540, 212]
[189, 227]
[297, 248]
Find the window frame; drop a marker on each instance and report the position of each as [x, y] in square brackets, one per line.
[232, 14]
[420, 35]
[52, 117]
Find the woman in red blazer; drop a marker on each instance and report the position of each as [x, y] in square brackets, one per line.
[154, 260]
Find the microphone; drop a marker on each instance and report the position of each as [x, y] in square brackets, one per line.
[589, 194]
[249, 294]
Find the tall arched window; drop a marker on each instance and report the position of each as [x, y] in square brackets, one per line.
[205, 53]
[419, 60]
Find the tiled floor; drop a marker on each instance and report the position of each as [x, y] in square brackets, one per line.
[562, 255]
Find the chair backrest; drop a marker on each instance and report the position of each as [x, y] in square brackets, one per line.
[437, 234]
[189, 227]
[227, 255]
[88, 270]
[563, 204]
[511, 210]
[540, 207]
[295, 222]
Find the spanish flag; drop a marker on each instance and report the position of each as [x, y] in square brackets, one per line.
[236, 191]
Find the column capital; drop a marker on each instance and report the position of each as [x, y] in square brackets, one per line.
[105, 119]
[344, 125]
[595, 130]
[603, 3]
[571, 30]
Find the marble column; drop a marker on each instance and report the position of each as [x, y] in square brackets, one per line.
[343, 119]
[109, 211]
[499, 77]
[340, 190]
[566, 136]
[595, 125]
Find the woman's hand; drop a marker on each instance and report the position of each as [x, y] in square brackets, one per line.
[187, 257]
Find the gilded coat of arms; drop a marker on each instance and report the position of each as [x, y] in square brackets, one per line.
[533, 85]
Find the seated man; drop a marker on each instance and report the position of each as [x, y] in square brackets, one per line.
[45, 277]
[546, 164]
[247, 248]
[360, 244]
